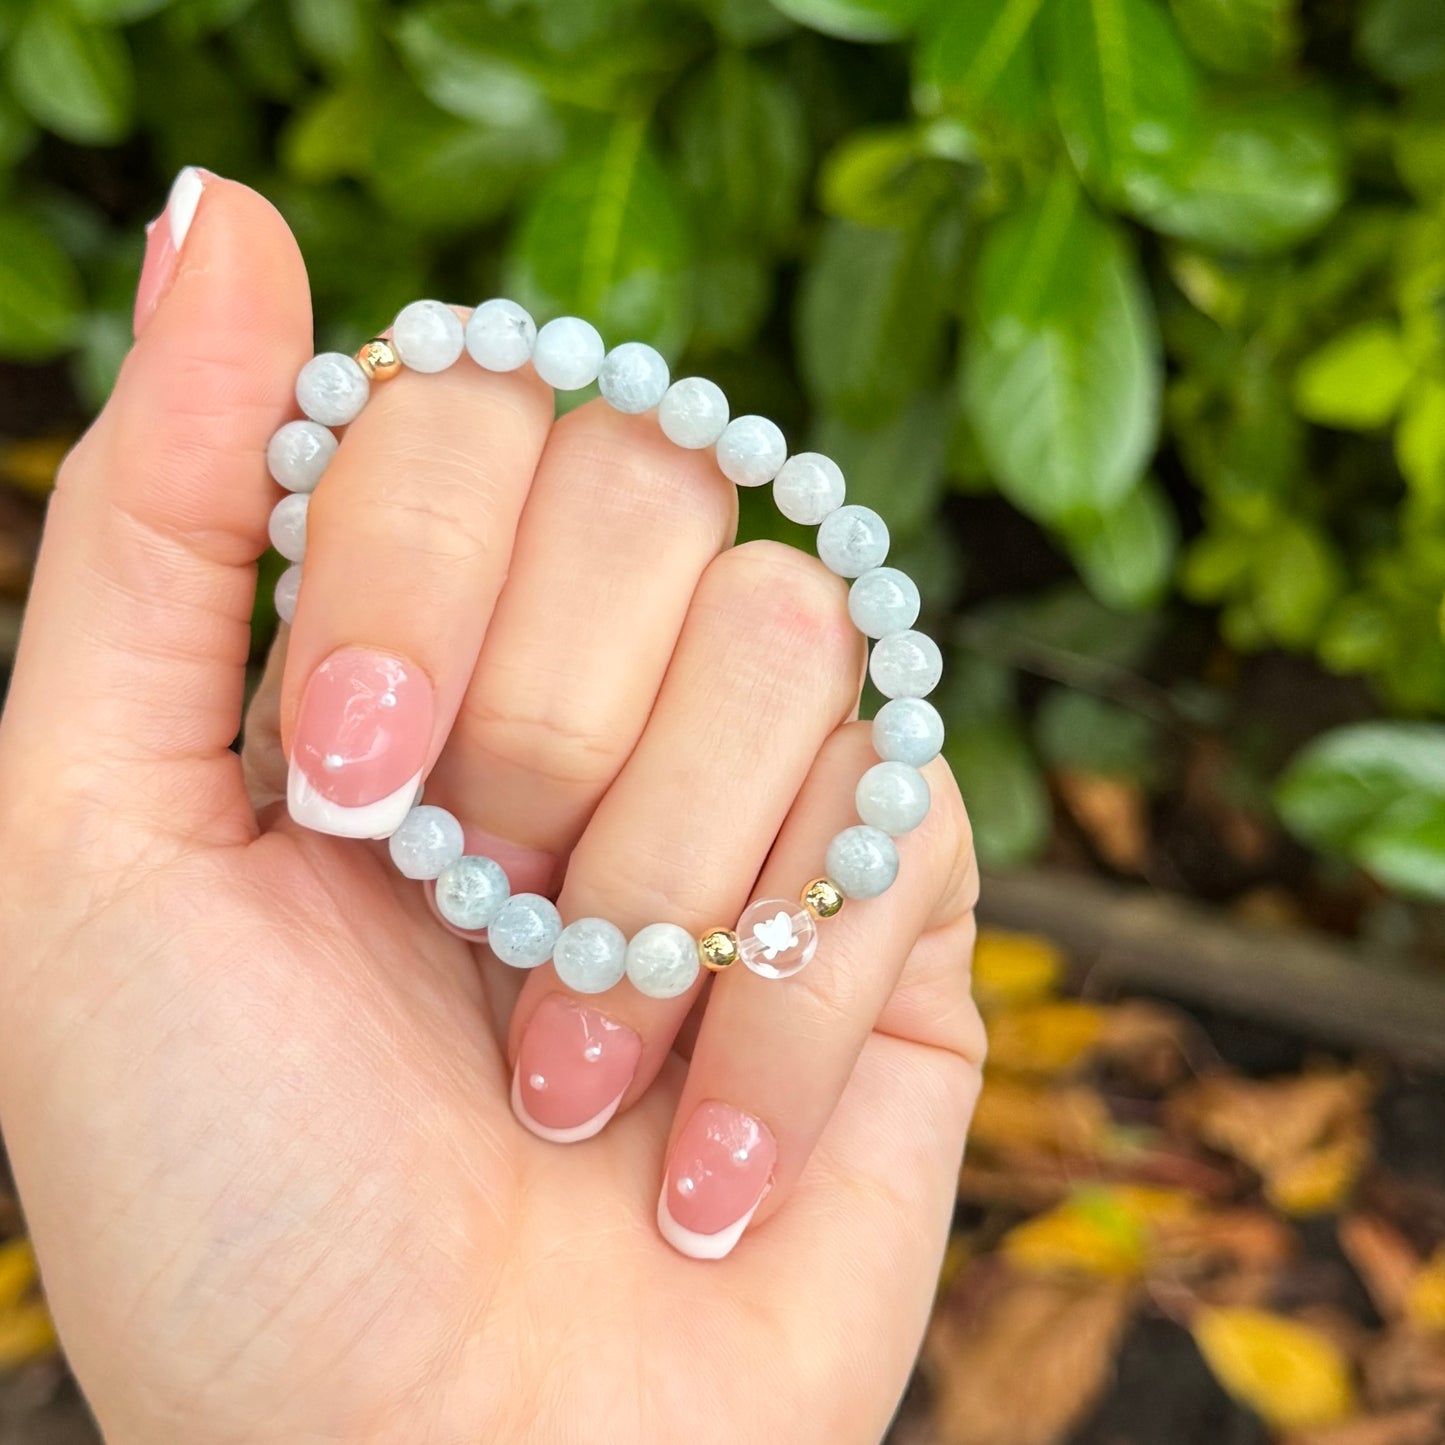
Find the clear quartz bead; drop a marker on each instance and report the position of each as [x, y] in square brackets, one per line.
[288, 589]
[287, 527]
[633, 378]
[776, 938]
[693, 413]
[807, 487]
[751, 450]
[298, 453]
[427, 336]
[332, 389]
[568, 353]
[500, 335]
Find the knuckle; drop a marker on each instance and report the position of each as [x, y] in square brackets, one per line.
[568, 745]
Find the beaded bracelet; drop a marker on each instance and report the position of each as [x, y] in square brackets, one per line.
[774, 937]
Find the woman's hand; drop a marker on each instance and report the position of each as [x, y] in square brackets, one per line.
[259, 1102]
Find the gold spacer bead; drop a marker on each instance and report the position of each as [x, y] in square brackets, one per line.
[718, 949]
[822, 898]
[378, 359]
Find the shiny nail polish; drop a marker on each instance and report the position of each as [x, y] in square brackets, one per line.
[719, 1171]
[164, 238]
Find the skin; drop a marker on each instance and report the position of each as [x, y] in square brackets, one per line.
[257, 1100]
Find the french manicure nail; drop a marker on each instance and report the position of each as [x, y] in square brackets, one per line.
[164, 238]
[573, 1068]
[361, 741]
[719, 1171]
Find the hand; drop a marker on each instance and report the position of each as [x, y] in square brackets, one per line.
[257, 1097]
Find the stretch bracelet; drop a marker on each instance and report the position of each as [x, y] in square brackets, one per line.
[774, 937]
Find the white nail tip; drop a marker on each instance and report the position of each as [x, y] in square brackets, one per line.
[373, 820]
[576, 1134]
[181, 204]
[700, 1246]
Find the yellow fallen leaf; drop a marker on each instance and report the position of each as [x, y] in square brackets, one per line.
[26, 1334]
[1155, 1204]
[1043, 1038]
[1425, 1304]
[1014, 968]
[1091, 1233]
[1319, 1182]
[18, 1271]
[31, 462]
[1018, 1115]
[1292, 1376]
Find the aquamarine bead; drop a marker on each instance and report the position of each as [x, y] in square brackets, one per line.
[751, 451]
[590, 955]
[568, 353]
[862, 861]
[662, 960]
[525, 930]
[908, 730]
[883, 600]
[633, 378]
[332, 389]
[427, 843]
[905, 664]
[693, 413]
[893, 797]
[500, 335]
[287, 527]
[288, 588]
[807, 487]
[428, 336]
[853, 540]
[471, 891]
[297, 455]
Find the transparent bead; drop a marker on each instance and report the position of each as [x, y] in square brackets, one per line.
[662, 960]
[693, 413]
[905, 664]
[751, 451]
[777, 938]
[893, 797]
[853, 540]
[288, 588]
[332, 389]
[525, 930]
[590, 955]
[427, 843]
[908, 730]
[862, 861]
[297, 455]
[883, 600]
[500, 335]
[428, 336]
[633, 378]
[287, 527]
[470, 892]
[568, 353]
[807, 487]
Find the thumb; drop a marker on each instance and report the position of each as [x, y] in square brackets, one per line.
[128, 682]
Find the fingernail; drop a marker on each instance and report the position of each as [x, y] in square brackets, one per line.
[719, 1171]
[164, 238]
[360, 744]
[573, 1068]
[529, 870]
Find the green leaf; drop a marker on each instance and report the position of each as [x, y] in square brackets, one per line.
[746, 22]
[732, 294]
[17, 133]
[1356, 380]
[328, 138]
[1374, 793]
[117, 12]
[1296, 575]
[1238, 37]
[342, 34]
[74, 78]
[603, 239]
[1062, 372]
[981, 60]
[40, 295]
[1404, 40]
[1420, 441]
[1127, 556]
[191, 20]
[1125, 92]
[1420, 145]
[889, 176]
[868, 20]
[1003, 789]
[1084, 733]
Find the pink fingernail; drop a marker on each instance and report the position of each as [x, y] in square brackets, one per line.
[360, 745]
[719, 1171]
[573, 1068]
[164, 238]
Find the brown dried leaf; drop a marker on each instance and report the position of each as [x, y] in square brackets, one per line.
[1419, 1425]
[1015, 1116]
[1383, 1259]
[1112, 813]
[1242, 1238]
[1405, 1367]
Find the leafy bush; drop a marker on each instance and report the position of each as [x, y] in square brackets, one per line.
[1166, 275]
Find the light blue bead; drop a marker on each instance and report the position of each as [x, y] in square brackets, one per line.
[297, 455]
[287, 527]
[427, 336]
[808, 486]
[853, 540]
[525, 930]
[862, 861]
[662, 960]
[428, 842]
[693, 413]
[883, 600]
[568, 353]
[633, 378]
[288, 589]
[905, 664]
[893, 797]
[332, 389]
[500, 335]
[590, 955]
[908, 730]
[751, 451]
[471, 891]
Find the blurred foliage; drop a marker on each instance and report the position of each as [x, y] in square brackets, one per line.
[1166, 275]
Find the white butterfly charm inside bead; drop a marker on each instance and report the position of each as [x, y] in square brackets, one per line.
[776, 938]
[775, 934]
